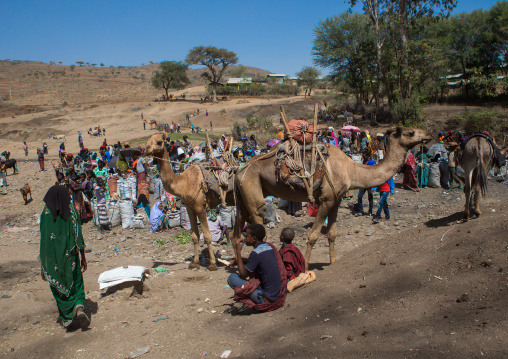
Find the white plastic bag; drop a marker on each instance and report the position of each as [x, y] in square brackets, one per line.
[127, 212]
[173, 219]
[137, 222]
[114, 212]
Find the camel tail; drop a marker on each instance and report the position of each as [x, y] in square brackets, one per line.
[482, 171]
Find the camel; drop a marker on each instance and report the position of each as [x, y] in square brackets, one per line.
[197, 189]
[151, 123]
[258, 179]
[477, 160]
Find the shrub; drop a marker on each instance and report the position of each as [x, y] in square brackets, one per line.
[65, 103]
[408, 111]
[262, 122]
[476, 121]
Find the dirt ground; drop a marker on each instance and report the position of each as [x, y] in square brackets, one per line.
[417, 286]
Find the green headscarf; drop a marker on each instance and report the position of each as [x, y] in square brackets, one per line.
[212, 214]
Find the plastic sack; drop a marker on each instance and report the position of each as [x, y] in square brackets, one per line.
[282, 203]
[127, 212]
[434, 175]
[137, 222]
[173, 218]
[95, 211]
[270, 211]
[298, 128]
[113, 185]
[184, 218]
[114, 212]
[228, 216]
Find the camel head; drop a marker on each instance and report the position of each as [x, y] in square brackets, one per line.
[155, 145]
[409, 137]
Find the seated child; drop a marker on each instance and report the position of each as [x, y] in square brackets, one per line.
[291, 255]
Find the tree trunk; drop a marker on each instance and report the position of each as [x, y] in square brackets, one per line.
[403, 42]
[167, 96]
[214, 93]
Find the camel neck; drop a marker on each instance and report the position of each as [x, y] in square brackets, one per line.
[372, 176]
[168, 177]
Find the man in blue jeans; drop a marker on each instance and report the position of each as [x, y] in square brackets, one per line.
[261, 264]
[369, 162]
[384, 190]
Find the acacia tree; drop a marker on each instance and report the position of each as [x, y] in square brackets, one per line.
[216, 60]
[172, 75]
[308, 77]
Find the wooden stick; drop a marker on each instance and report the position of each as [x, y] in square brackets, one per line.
[230, 144]
[313, 152]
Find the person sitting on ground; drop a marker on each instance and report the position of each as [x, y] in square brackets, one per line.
[267, 285]
[216, 226]
[294, 262]
[369, 162]
[158, 221]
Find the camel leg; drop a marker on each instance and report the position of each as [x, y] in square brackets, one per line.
[332, 231]
[195, 237]
[208, 239]
[315, 230]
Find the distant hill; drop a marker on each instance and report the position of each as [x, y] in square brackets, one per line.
[41, 84]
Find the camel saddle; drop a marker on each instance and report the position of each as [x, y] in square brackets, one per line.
[290, 177]
[499, 160]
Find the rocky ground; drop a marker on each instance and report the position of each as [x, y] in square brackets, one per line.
[418, 286]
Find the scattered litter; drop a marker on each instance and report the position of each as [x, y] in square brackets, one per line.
[158, 319]
[225, 354]
[36, 322]
[369, 234]
[161, 269]
[326, 336]
[34, 230]
[213, 311]
[438, 277]
[7, 271]
[200, 310]
[207, 300]
[5, 296]
[120, 275]
[326, 319]
[139, 352]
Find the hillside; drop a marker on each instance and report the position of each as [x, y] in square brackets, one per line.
[40, 84]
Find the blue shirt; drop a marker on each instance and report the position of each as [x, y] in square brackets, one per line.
[370, 162]
[262, 261]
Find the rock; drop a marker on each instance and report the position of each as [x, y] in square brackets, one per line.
[349, 337]
[200, 310]
[396, 224]
[487, 263]
[383, 263]
[463, 298]
[369, 234]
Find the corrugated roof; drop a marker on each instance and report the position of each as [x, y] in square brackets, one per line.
[239, 80]
[276, 75]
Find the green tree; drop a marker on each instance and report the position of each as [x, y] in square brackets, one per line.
[71, 67]
[216, 60]
[308, 77]
[344, 45]
[406, 12]
[172, 75]
[102, 65]
[80, 63]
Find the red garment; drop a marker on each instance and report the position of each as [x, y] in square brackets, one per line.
[293, 260]
[410, 171]
[385, 187]
[242, 293]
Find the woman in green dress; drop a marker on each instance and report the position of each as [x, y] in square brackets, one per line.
[423, 159]
[60, 248]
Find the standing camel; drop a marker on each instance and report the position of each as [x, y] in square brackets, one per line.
[197, 189]
[477, 161]
[258, 179]
[151, 123]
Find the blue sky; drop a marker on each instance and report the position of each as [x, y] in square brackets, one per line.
[273, 35]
